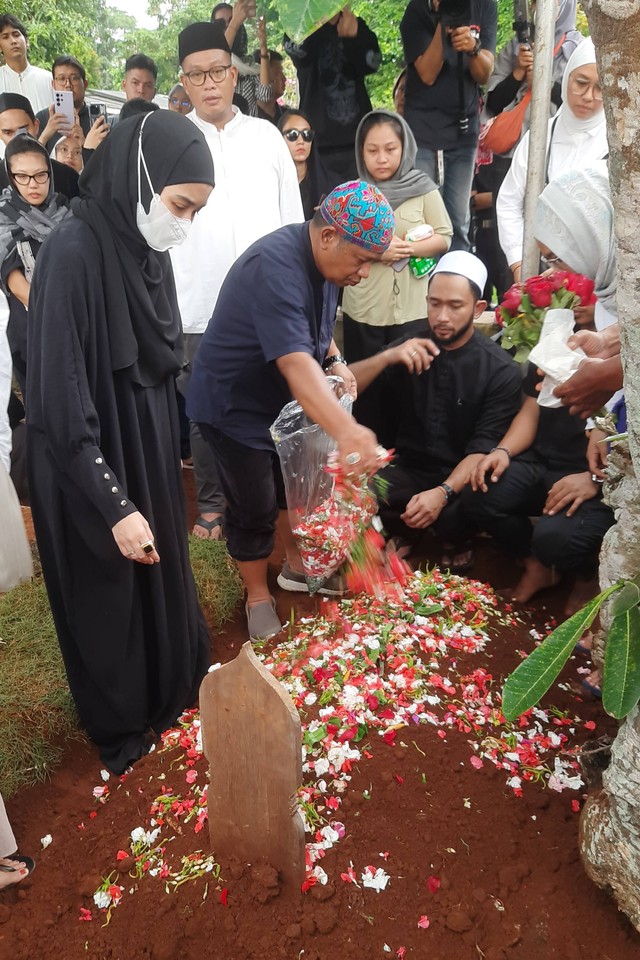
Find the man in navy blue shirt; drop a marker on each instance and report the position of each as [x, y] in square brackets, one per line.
[447, 63]
[270, 339]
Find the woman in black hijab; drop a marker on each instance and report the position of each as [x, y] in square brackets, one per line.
[103, 436]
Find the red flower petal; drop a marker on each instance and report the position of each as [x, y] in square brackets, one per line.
[433, 884]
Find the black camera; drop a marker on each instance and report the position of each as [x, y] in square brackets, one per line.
[455, 13]
[522, 24]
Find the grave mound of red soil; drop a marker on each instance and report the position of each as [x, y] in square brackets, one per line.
[478, 864]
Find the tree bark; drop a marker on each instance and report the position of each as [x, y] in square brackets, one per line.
[610, 824]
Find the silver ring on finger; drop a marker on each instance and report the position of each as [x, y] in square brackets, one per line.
[353, 458]
[132, 554]
[412, 355]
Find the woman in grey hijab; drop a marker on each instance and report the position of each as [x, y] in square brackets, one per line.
[29, 210]
[391, 301]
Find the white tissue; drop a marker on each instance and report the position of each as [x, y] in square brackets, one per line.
[552, 355]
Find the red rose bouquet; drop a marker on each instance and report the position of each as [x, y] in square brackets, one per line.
[523, 308]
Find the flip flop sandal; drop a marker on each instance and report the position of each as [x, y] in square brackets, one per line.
[592, 689]
[29, 863]
[582, 650]
[209, 525]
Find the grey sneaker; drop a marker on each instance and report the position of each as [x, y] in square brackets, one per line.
[288, 579]
[262, 620]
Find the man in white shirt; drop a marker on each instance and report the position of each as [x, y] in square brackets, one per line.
[18, 75]
[256, 192]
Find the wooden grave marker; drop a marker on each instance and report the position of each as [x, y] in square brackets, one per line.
[252, 738]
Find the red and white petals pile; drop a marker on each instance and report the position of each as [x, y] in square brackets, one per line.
[368, 668]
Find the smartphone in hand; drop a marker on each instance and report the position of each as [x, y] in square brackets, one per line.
[63, 104]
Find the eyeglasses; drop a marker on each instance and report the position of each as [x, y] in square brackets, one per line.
[68, 81]
[549, 261]
[25, 178]
[306, 134]
[217, 74]
[180, 103]
[580, 87]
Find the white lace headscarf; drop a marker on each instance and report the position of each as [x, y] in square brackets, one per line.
[574, 219]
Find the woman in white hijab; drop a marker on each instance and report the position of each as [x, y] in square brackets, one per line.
[575, 231]
[574, 225]
[510, 79]
[577, 136]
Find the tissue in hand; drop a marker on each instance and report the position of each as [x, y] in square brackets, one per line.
[552, 355]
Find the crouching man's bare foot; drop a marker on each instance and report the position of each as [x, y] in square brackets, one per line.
[536, 577]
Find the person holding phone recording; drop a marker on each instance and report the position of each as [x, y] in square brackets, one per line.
[69, 77]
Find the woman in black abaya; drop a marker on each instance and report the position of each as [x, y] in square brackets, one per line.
[103, 442]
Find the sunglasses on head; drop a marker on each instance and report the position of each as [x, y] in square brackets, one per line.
[306, 134]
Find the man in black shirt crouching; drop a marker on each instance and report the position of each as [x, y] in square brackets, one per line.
[448, 412]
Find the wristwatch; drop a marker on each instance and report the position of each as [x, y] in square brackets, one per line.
[331, 361]
[448, 491]
[476, 49]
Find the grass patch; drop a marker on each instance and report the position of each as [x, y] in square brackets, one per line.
[36, 708]
[217, 579]
[37, 712]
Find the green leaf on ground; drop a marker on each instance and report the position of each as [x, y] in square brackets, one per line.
[621, 679]
[533, 677]
[299, 18]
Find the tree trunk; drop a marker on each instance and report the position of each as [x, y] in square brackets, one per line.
[610, 825]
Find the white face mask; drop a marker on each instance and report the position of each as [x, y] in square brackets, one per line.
[159, 227]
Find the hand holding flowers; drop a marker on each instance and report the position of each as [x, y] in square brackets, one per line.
[523, 308]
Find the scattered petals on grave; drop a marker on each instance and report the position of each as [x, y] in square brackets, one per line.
[366, 668]
[379, 666]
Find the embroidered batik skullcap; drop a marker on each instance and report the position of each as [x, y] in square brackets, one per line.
[360, 214]
[465, 265]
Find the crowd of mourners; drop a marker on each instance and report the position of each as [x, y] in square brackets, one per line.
[171, 279]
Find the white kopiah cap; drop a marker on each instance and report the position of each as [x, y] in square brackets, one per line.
[465, 265]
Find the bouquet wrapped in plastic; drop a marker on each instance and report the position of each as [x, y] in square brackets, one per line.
[322, 524]
[328, 512]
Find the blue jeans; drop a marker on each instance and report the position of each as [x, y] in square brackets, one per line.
[455, 188]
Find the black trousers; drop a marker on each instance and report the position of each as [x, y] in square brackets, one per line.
[403, 483]
[254, 494]
[570, 544]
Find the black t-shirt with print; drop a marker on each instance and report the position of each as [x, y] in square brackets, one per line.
[433, 112]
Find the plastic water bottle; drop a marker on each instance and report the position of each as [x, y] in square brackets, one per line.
[421, 266]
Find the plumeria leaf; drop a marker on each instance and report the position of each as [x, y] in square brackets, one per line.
[533, 677]
[627, 597]
[621, 679]
[299, 18]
